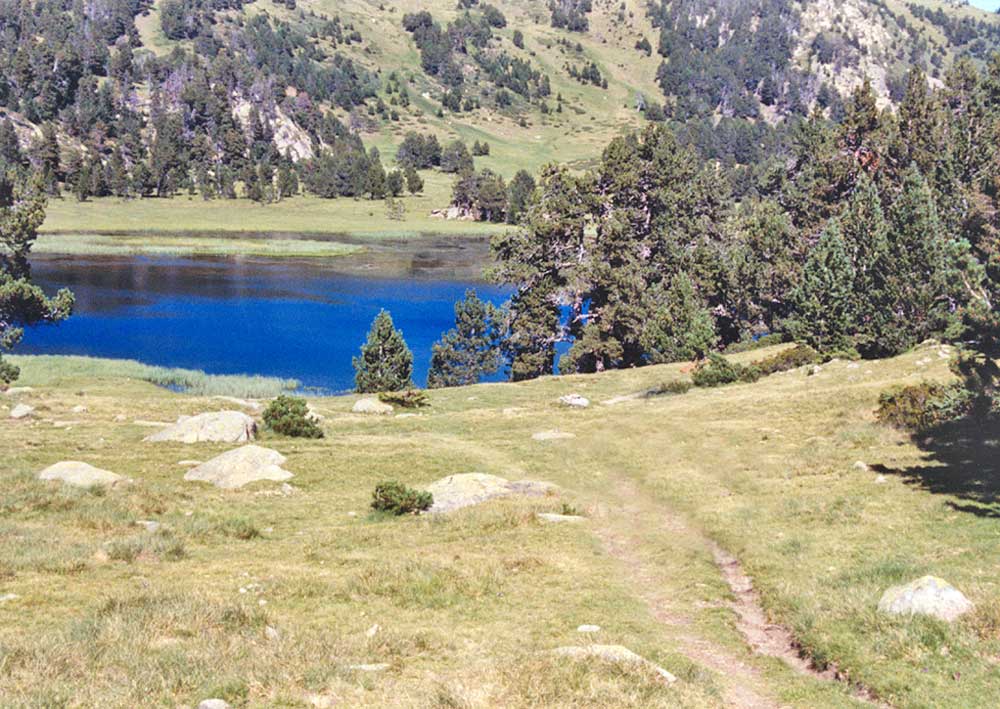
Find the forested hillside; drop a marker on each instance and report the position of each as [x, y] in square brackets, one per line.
[231, 99]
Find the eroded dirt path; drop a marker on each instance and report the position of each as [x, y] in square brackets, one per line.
[622, 529]
[631, 529]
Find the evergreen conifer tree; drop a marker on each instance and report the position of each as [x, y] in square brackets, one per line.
[385, 363]
[471, 349]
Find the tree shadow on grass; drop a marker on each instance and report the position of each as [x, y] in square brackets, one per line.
[963, 461]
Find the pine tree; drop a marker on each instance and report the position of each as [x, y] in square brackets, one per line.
[414, 183]
[823, 302]
[385, 363]
[682, 328]
[918, 262]
[471, 349]
[22, 211]
[878, 330]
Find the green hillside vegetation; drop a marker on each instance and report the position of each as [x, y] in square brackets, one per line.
[269, 599]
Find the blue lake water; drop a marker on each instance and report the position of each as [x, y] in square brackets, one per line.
[301, 320]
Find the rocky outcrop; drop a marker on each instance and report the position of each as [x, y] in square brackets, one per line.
[371, 405]
[241, 466]
[464, 490]
[216, 427]
[72, 472]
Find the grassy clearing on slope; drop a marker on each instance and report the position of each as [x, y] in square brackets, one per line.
[468, 605]
[53, 370]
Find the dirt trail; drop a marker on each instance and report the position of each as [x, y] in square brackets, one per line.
[741, 682]
[743, 686]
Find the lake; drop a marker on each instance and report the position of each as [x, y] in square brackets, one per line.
[296, 319]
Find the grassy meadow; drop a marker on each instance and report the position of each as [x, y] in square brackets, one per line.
[302, 598]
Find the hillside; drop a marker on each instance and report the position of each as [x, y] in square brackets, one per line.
[298, 597]
[224, 98]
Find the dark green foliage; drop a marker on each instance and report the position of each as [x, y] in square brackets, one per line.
[398, 499]
[289, 416]
[471, 349]
[385, 363]
[419, 151]
[922, 406]
[22, 211]
[775, 338]
[456, 158]
[792, 358]
[673, 387]
[481, 194]
[414, 183]
[409, 399]
[682, 328]
[716, 370]
[519, 193]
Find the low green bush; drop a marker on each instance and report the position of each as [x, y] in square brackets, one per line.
[398, 499]
[775, 338]
[410, 399]
[716, 370]
[675, 386]
[289, 416]
[919, 407]
[792, 358]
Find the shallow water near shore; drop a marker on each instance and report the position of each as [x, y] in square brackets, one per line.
[286, 318]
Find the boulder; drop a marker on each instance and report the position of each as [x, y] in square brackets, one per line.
[613, 653]
[22, 411]
[241, 466]
[552, 436]
[574, 401]
[216, 427]
[929, 595]
[371, 405]
[73, 472]
[457, 491]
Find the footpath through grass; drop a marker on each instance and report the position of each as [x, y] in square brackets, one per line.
[271, 599]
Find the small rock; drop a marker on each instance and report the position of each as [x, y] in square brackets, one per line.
[929, 595]
[17, 391]
[8, 597]
[861, 465]
[252, 405]
[372, 631]
[241, 466]
[120, 418]
[216, 426]
[101, 556]
[853, 365]
[614, 653]
[80, 409]
[458, 491]
[589, 629]
[373, 667]
[150, 525]
[816, 369]
[214, 704]
[552, 436]
[272, 633]
[22, 411]
[73, 472]
[574, 401]
[881, 480]
[321, 701]
[371, 405]
[553, 517]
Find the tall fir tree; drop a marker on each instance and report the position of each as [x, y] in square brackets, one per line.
[385, 362]
[823, 302]
[470, 350]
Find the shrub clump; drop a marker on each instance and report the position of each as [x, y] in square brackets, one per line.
[792, 358]
[716, 370]
[289, 416]
[410, 399]
[398, 499]
[675, 386]
[923, 406]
